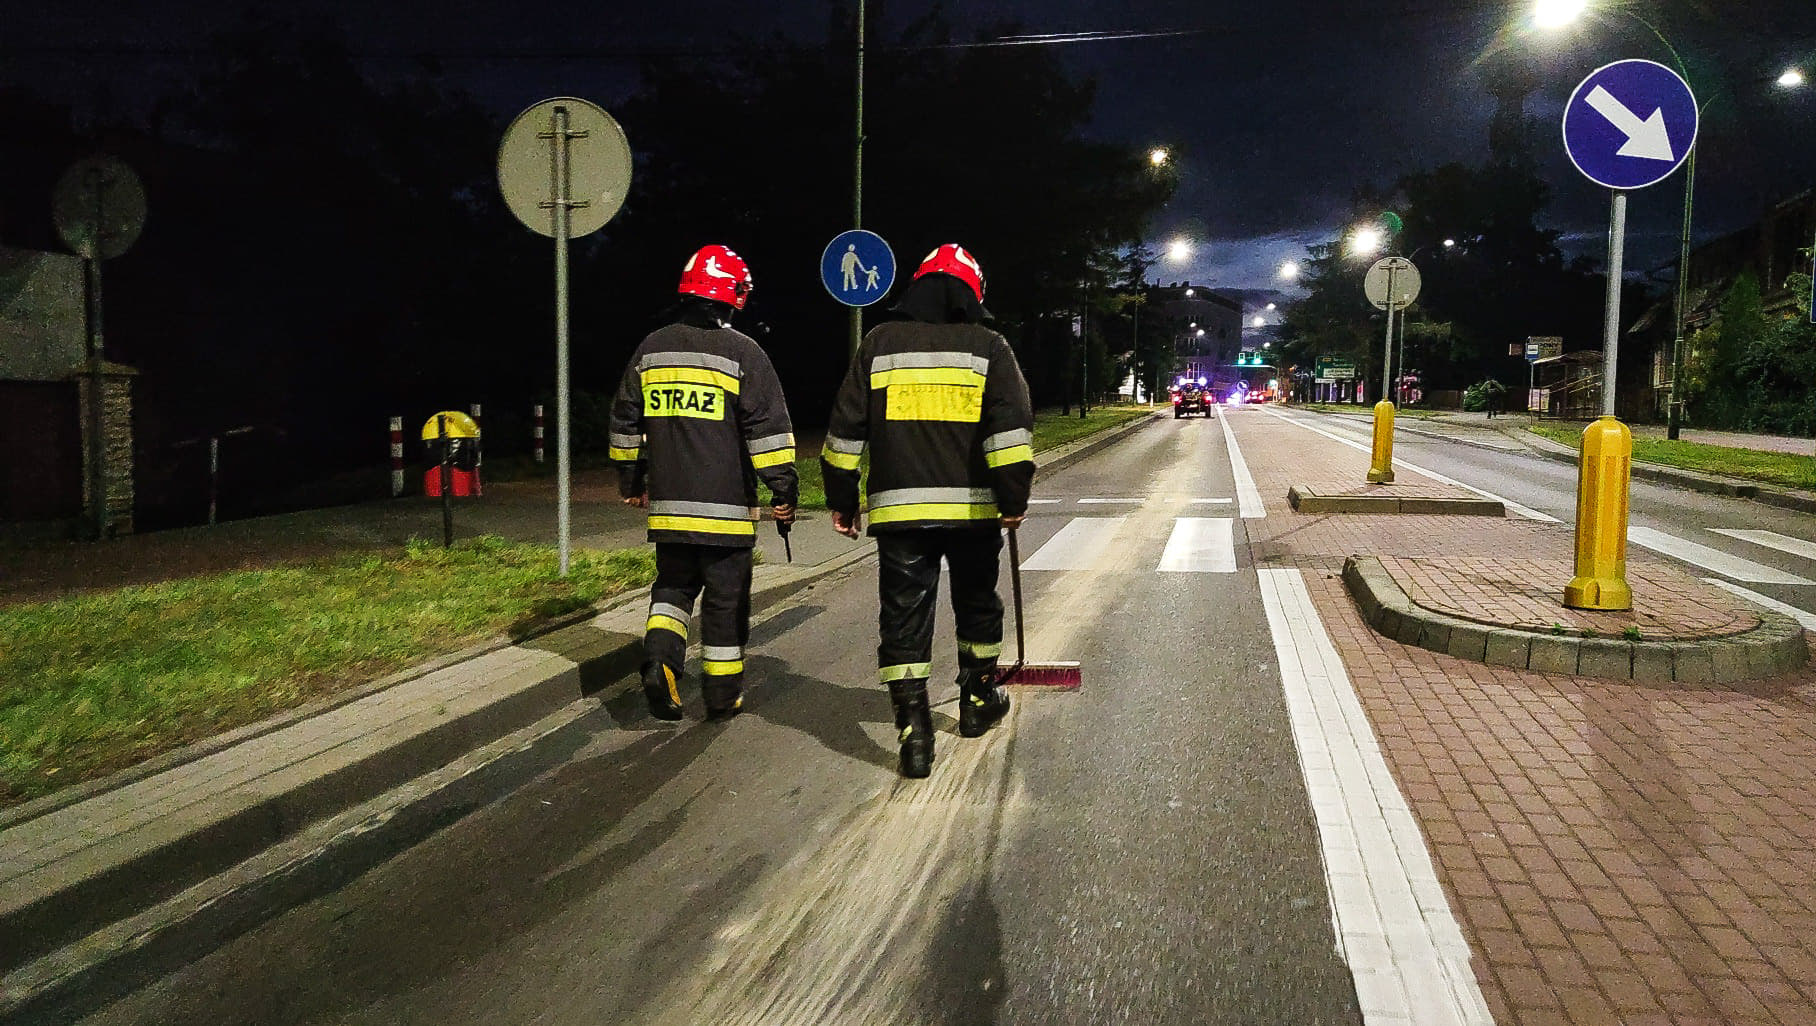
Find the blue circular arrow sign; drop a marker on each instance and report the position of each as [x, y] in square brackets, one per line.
[857, 267]
[1630, 124]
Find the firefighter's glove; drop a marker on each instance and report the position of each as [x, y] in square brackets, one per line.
[783, 514]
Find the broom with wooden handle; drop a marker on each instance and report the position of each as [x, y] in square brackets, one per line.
[1026, 674]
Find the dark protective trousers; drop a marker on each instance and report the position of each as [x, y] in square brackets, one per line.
[908, 583]
[682, 572]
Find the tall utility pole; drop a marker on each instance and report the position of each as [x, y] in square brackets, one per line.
[857, 173]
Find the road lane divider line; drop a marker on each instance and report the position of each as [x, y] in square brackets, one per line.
[1711, 559]
[1247, 495]
[1212, 502]
[1525, 511]
[1080, 545]
[1806, 618]
[1044, 502]
[1200, 545]
[1772, 540]
[1394, 927]
[1109, 502]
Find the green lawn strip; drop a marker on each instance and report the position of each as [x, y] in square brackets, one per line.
[1051, 429]
[92, 684]
[1780, 468]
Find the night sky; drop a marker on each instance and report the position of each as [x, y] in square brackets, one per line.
[1275, 111]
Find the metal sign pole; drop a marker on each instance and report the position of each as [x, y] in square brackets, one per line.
[857, 175]
[562, 492]
[1387, 357]
[1611, 324]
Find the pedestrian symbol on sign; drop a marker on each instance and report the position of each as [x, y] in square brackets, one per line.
[857, 268]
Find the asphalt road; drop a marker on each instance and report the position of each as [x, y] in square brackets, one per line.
[1773, 555]
[1141, 850]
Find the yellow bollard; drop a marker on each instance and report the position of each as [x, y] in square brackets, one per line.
[1601, 519]
[1381, 467]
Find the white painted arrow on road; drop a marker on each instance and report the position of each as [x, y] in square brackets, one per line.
[1647, 139]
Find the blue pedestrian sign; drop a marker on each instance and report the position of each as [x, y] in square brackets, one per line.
[857, 267]
[1630, 124]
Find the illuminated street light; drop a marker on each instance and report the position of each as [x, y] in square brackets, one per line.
[1158, 156]
[1179, 249]
[1450, 243]
[1555, 14]
[1366, 241]
[1259, 321]
[1289, 270]
[1200, 332]
[1271, 306]
[1792, 78]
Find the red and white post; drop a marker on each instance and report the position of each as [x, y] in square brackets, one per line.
[479, 450]
[536, 444]
[397, 456]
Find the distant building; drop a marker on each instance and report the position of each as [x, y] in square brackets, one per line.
[1206, 325]
[1769, 249]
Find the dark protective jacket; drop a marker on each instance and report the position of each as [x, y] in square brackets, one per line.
[699, 417]
[944, 408]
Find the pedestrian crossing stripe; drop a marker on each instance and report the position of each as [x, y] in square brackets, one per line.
[1196, 545]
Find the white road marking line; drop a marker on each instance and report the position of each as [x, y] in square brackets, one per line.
[1249, 499]
[1525, 511]
[1044, 502]
[1078, 546]
[1711, 559]
[1109, 502]
[1200, 545]
[1772, 540]
[1213, 502]
[1807, 619]
[1395, 929]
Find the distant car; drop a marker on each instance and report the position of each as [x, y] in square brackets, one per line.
[1189, 397]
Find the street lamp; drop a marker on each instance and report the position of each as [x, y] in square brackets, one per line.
[1289, 271]
[1271, 306]
[1792, 79]
[1366, 241]
[1450, 244]
[1158, 156]
[1259, 321]
[1555, 14]
[1179, 249]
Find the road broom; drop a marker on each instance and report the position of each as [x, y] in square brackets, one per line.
[1067, 676]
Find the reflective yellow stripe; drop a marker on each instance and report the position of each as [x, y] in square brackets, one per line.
[935, 511]
[927, 376]
[981, 649]
[771, 459]
[659, 622]
[905, 671]
[703, 525]
[690, 376]
[722, 668]
[626, 455]
[841, 460]
[1013, 454]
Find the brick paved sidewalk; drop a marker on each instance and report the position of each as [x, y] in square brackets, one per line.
[1616, 853]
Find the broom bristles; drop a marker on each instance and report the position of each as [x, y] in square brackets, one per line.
[1045, 675]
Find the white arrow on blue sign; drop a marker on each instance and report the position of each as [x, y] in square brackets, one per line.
[858, 267]
[1630, 124]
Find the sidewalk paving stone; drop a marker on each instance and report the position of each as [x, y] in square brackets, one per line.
[1616, 853]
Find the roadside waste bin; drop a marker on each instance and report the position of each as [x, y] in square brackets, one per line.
[462, 445]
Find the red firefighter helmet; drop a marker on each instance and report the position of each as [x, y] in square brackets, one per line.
[716, 273]
[953, 259]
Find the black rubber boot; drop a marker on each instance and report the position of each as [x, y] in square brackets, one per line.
[723, 700]
[659, 688]
[981, 702]
[914, 718]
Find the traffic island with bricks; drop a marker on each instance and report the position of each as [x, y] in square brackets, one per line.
[1372, 498]
[1496, 611]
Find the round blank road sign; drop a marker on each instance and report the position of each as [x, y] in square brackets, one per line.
[599, 166]
[99, 207]
[1406, 282]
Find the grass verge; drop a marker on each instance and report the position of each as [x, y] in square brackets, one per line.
[1784, 469]
[92, 684]
[1412, 412]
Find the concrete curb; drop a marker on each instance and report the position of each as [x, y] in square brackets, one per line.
[359, 828]
[1053, 460]
[1775, 647]
[1305, 500]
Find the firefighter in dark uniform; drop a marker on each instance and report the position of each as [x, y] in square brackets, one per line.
[698, 419]
[941, 402]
